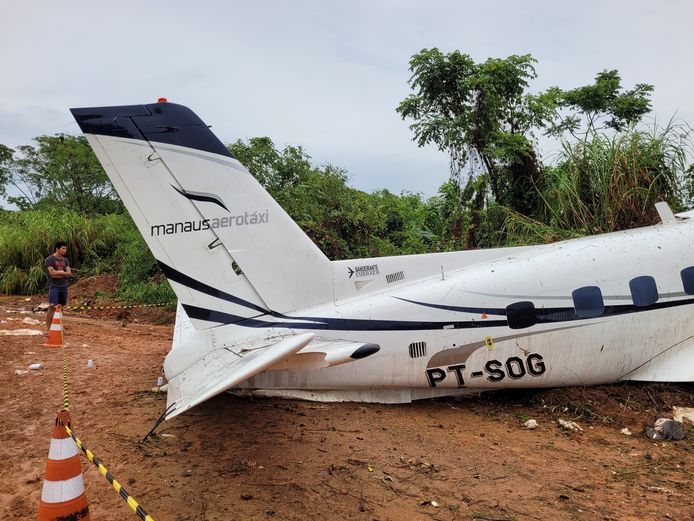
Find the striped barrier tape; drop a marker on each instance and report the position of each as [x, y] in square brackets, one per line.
[66, 403]
[84, 307]
[96, 461]
[131, 501]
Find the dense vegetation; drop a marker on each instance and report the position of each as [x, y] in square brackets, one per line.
[609, 171]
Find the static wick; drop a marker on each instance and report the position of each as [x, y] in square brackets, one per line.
[442, 275]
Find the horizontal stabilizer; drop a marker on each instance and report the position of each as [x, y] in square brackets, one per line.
[326, 352]
[222, 369]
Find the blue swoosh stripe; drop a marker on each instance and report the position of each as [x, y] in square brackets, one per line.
[544, 316]
[199, 196]
[189, 282]
[334, 324]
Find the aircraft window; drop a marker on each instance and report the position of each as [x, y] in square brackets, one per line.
[521, 315]
[588, 302]
[687, 275]
[643, 291]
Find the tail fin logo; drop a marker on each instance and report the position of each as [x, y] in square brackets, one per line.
[242, 219]
[203, 197]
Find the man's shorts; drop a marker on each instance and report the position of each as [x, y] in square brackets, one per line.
[57, 296]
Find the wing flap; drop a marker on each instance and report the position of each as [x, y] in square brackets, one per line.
[222, 369]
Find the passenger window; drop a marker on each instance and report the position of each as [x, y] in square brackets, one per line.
[687, 275]
[588, 302]
[643, 291]
[521, 315]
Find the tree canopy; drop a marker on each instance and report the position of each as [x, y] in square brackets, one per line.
[482, 116]
[485, 118]
[62, 171]
[6, 164]
[603, 105]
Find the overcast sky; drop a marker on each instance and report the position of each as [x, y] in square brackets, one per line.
[326, 75]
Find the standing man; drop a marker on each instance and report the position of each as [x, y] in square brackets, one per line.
[58, 272]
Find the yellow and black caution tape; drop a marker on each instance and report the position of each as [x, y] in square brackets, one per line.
[66, 403]
[84, 307]
[96, 461]
[131, 501]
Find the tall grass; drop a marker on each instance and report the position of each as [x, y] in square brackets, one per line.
[608, 183]
[139, 278]
[520, 230]
[96, 245]
[613, 182]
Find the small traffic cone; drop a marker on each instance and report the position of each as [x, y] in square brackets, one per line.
[55, 333]
[63, 495]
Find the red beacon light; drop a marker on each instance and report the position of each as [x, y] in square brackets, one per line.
[162, 100]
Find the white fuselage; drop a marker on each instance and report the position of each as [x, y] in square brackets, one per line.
[428, 344]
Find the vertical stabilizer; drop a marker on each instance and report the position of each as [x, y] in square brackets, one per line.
[228, 249]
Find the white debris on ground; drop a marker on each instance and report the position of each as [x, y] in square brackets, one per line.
[569, 425]
[30, 321]
[663, 490]
[20, 332]
[683, 414]
[530, 424]
[626, 432]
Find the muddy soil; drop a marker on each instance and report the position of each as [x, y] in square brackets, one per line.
[239, 458]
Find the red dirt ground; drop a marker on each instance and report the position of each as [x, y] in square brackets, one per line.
[231, 458]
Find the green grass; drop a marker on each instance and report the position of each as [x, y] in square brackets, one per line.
[608, 183]
[613, 182]
[96, 245]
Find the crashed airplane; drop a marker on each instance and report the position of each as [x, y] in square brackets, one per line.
[263, 310]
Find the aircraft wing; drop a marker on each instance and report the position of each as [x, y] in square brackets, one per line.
[222, 369]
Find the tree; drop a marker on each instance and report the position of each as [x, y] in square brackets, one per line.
[62, 170]
[602, 105]
[344, 222]
[482, 116]
[6, 164]
[274, 170]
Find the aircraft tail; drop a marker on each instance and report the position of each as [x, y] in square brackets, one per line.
[228, 249]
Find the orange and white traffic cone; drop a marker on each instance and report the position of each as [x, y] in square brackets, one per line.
[55, 333]
[63, 495]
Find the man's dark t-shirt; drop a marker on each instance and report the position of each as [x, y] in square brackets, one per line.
[58, 264]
